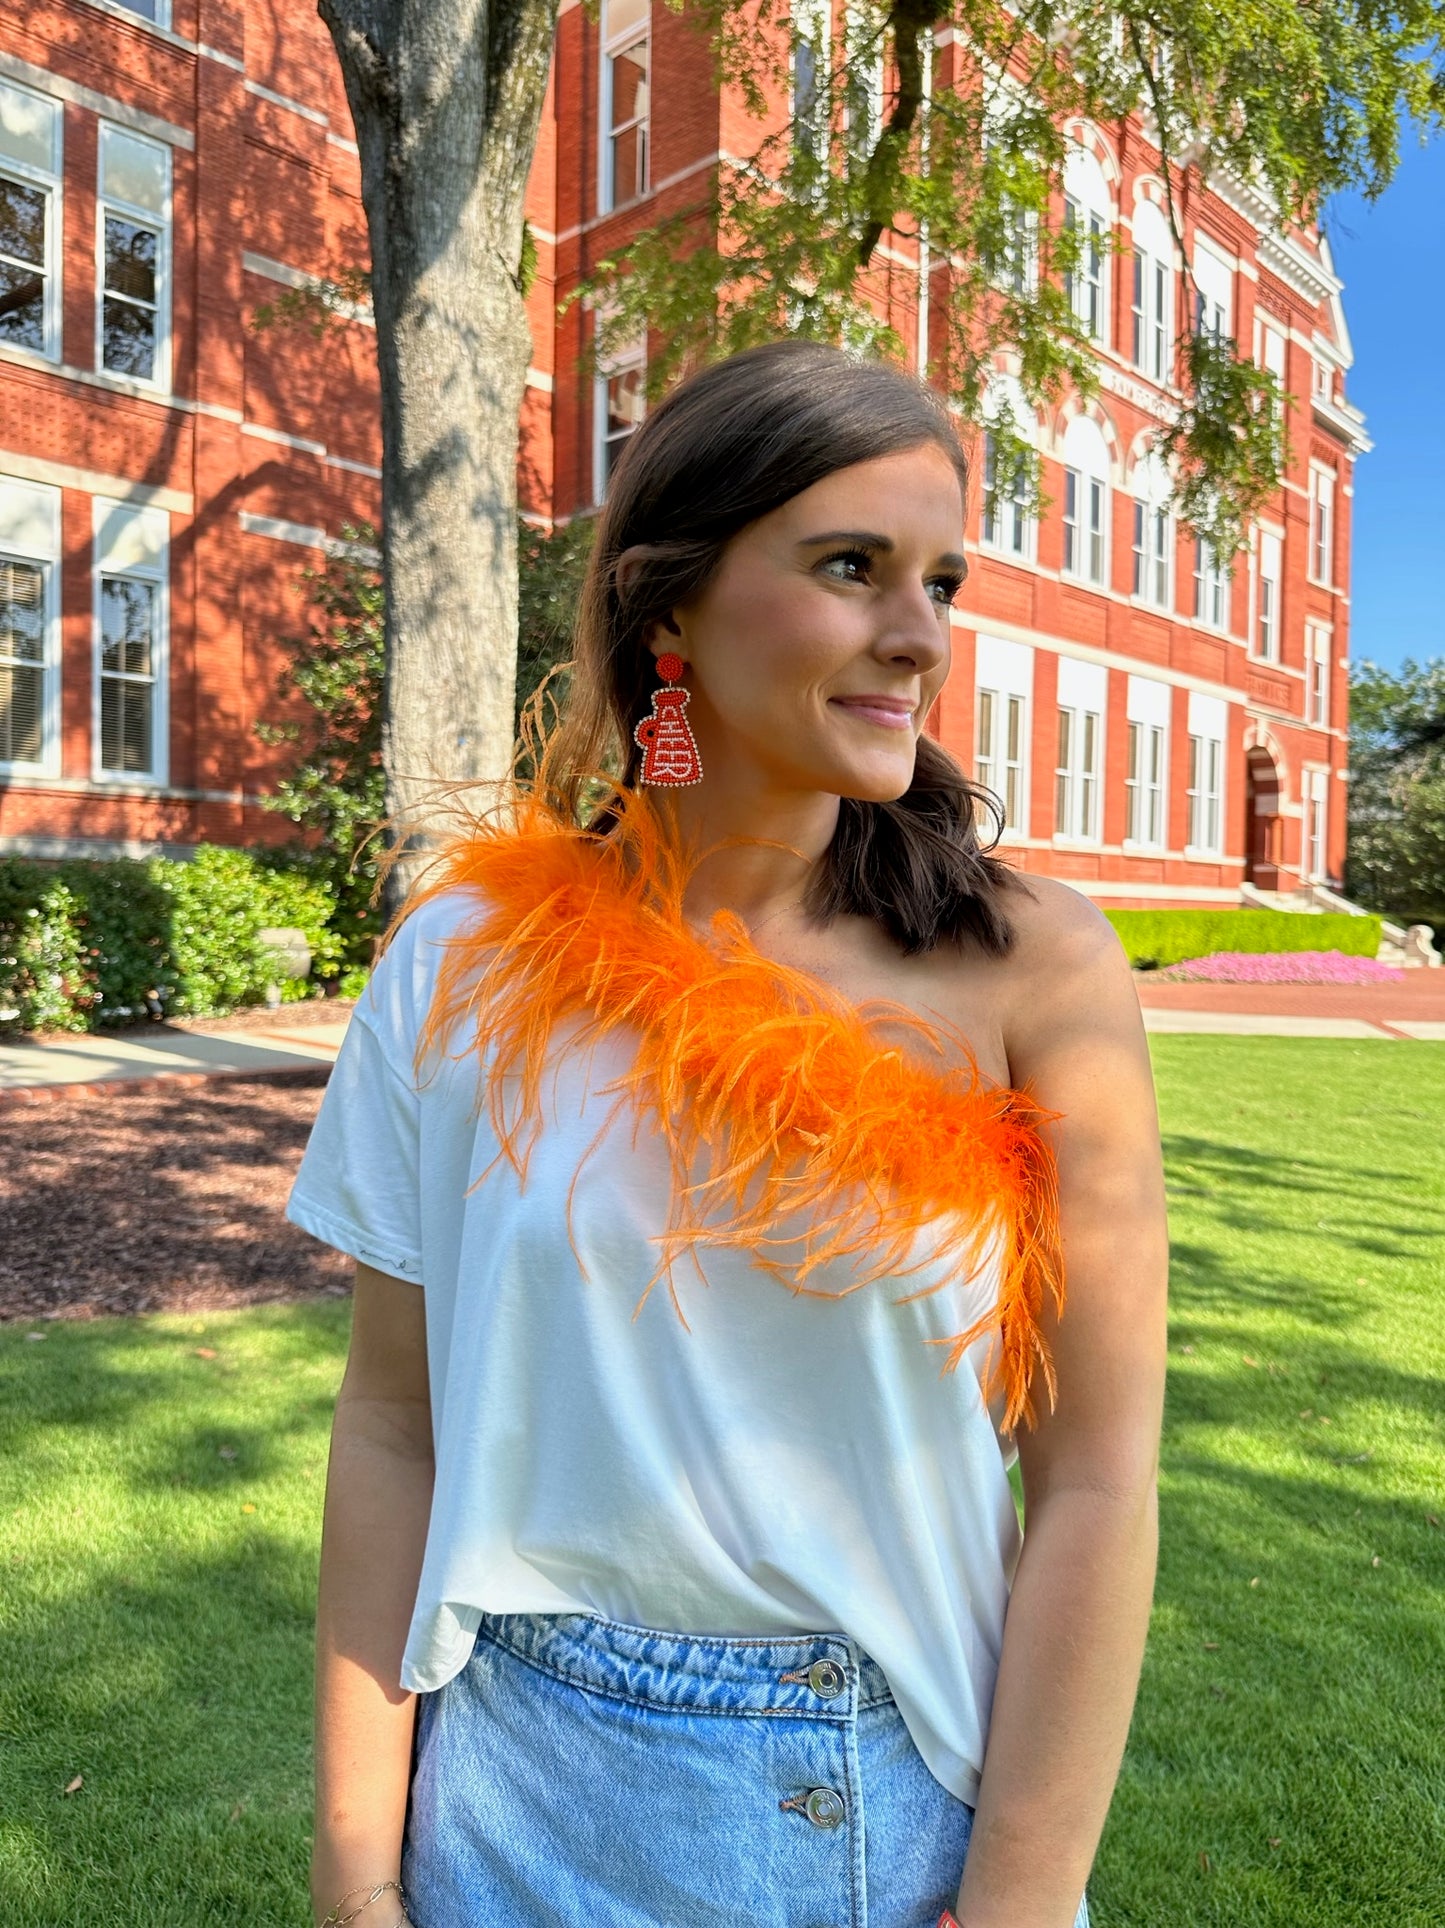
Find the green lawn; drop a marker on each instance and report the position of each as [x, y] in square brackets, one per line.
[159, 1515]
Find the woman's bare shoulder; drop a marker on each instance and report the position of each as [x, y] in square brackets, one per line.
[1065, 956]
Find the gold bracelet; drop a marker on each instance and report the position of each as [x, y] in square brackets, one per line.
[335, 1919]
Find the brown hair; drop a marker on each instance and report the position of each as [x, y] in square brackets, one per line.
[728, 445]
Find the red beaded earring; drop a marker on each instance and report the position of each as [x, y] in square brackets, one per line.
[669, 749]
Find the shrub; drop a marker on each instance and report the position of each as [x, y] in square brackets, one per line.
[218, 902]
[85, 944]
[45, 977]
[1159, 937]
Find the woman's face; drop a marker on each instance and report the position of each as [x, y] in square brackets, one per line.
[839, 596]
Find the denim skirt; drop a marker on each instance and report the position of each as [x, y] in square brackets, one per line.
[580, 1772]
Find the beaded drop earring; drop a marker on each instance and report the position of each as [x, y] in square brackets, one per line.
[669, 749]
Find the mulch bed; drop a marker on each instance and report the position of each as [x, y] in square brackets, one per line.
[151, 1201]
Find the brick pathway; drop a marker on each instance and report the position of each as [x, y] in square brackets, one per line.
[1410, 1007]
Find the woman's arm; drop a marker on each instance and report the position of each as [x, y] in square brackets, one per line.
[1079, 1611]
[378, 1503]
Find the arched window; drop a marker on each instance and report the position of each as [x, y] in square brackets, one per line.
[1153, 533]
[1153, 293]
[1086, 502]
[1007, 522]
[1089, 214]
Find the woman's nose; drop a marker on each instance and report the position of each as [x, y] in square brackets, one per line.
[914, 633]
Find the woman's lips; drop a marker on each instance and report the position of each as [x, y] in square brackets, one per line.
[890, 714]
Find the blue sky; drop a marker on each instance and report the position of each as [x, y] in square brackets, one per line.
[1391, 257]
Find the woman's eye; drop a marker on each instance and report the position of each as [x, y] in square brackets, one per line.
[946, 589]
[846, 562]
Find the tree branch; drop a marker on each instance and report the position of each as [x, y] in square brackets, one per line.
[910, 20]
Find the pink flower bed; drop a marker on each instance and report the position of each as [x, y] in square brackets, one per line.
[1278, 967]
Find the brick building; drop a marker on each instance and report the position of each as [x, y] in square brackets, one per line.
[1161, 730]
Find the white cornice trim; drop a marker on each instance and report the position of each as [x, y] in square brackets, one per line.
[304, 536]
[106, 105]
[1309, 279]
[285, 100]
[61, 475]
[290, 277]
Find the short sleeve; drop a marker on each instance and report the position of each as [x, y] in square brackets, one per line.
[358, 1186]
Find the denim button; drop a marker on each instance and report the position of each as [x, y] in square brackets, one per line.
[824, 1807]
[826, 1678]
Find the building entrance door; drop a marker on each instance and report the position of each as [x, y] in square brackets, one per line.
[1264, 852]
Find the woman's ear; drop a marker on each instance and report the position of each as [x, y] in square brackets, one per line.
[663, 632]
[626, 566]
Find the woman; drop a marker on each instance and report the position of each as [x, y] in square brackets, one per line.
[708, 1604]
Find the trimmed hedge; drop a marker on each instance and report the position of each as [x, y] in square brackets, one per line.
[89, 944]
[1154, 938]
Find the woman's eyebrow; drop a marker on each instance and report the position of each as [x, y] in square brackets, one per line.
[868, 539]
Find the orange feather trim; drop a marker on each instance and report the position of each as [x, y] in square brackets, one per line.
[787, 1087]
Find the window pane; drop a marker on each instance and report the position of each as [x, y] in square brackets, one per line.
[1062, 825]
[629, 83]
[28, 126]
[125, 725]
[22, 710]
[629, 164]
[1071, 520]
[626, 401]
[22, 611]
[22, 307]
[22, 222]
[127, 626]
[1091, 726]
[1015, 728]
[134, 171]
[128, 339]
[983, 743]
[147, 9]
[131, 252]
[22, 667]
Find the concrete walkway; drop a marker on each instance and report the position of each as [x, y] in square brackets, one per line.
[161, 1055]
[158, 1054]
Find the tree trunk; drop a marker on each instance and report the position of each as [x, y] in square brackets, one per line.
[446, 96]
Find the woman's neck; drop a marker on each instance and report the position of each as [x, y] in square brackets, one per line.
[755, 856]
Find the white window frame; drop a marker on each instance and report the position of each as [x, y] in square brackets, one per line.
[1204, 772]
[1270, 354]
[1322, 380]
[132, 543]
[50, 181]
[1087, 504]
[613, 45]
[1089, 210]
[1011, 531]
[1152, 308]
[1213, 291]
[160, 380]
[1268, 580]
[1314, 837]
[1213, 588]
[812, 21]
[1153, 545]
[161, 17]
[1321, 559]
[1146, 778]
[1319, 644]
[621, 361]
[1003, 696]
[1082, 697]
[1019, 271]
[30, 533]
[863, 29]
